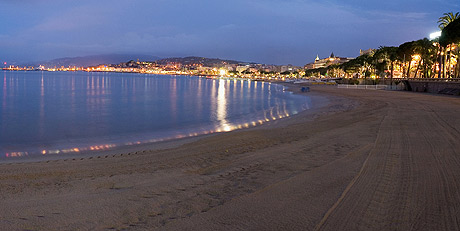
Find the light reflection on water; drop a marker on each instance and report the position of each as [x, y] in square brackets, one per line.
[222, 107]
[46, 113]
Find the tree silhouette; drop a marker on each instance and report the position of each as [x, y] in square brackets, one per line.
[447, 18]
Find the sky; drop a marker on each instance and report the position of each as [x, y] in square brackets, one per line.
[264, 31]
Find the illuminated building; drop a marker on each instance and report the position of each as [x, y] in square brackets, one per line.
[369, 51]
[320, 63]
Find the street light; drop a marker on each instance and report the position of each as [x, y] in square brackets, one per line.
[435, 35]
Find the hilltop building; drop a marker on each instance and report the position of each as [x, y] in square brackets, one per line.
[332, 59]
[366, 52]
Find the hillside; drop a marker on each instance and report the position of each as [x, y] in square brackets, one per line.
[95, 60]
[209, 62]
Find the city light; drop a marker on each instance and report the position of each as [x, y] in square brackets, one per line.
[435, 35]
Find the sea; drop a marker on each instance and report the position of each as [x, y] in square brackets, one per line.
[58, 113]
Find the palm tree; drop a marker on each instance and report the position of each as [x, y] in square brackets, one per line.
[447, 18]
[427, 52]
[449, 37]
[444, 21]
[361, 65]
[405, 52]
[387, 55]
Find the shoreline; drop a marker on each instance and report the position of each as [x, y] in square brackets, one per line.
[368, 159]
[167, 143]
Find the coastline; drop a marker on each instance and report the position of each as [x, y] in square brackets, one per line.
[385, 156]
[165, 143]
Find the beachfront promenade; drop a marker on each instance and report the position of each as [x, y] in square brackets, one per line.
[370, 160]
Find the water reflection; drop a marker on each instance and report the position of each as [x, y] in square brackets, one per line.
[173, 97]
[4, 90]
[222, 108]
[85, 112]
[41, 115]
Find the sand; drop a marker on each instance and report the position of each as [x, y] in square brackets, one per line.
[369, 160]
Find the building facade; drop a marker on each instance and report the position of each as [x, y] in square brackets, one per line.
[321, 63]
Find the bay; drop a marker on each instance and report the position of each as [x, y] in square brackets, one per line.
[50, 113]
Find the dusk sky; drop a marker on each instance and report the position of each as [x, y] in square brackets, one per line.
[264, 31]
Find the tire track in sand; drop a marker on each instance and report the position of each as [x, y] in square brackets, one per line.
[410, 180]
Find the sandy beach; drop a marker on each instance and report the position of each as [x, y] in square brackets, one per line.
[366, 160]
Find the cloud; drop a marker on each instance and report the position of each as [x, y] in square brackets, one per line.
[273, 31]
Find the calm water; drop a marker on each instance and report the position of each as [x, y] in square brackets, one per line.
[50, 113]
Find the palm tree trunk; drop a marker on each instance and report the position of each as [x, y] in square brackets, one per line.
[391, 73]
[427, 71]
[444, 63]
[418, 67]
[449, 63]
[457, 66]
[408, 69]
[440, 62]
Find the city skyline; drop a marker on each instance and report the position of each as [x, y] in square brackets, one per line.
[272, 32]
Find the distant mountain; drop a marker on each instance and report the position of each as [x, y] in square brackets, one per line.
[208, 62]
[94, 60]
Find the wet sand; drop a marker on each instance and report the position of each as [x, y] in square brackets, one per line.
[370, 160]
